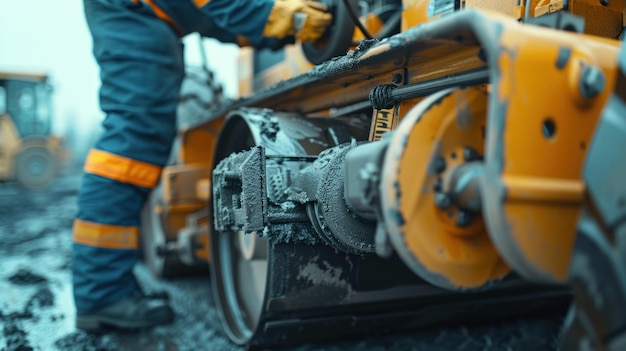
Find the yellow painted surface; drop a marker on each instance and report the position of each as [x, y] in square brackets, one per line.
[541, 175]
[464, 256]
[10, 144]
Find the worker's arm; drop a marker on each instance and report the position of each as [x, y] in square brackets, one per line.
[258, 19]
[263, 23]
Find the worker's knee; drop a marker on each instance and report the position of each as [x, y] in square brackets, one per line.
[106, 200]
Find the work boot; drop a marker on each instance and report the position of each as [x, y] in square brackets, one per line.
[157, 295]
[132, 312]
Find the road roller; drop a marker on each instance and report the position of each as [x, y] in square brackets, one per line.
[426, 163]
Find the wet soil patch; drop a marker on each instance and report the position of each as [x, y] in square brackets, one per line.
[10, 242]
[16, 338]
[65, 266]
[43, 298]
[16, 315]
[37, 252]
[35, 261]
[80, 341]
[26, 277]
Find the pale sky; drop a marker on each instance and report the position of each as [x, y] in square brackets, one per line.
[51, 36]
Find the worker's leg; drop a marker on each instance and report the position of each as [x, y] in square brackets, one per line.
[141, 66]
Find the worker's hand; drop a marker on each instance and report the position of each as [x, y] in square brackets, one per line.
[305, 19]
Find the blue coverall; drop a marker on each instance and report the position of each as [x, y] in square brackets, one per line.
[137, 46]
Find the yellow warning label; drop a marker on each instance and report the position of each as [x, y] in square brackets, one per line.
[383, 121]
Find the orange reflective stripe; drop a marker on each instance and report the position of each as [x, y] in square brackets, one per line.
[105, 235]
[200, 3]
[122, 169]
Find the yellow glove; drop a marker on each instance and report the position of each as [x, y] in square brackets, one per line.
[280, 22]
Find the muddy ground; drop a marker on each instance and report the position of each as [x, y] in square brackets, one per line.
[37, 312]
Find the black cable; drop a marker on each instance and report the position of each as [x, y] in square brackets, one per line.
[391, 24]
[356, 20]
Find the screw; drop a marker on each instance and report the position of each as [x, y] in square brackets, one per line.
[469, 154]
[604, 2]
[438, 185]
[592, 82]
[440, 164]
[442, 200]
[397, 78]
[463, 219]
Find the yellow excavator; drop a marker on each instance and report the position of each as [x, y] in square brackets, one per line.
[464, 161]
[29, 154]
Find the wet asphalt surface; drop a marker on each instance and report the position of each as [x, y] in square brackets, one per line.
[37, 312]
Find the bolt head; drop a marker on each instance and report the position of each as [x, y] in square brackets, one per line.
[396, 78]
[438, 187]
[592, 82]
[440, 164]
[463, 219]
[443, 201]
[469, 154]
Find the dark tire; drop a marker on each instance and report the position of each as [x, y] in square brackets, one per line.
[338, 37]
[35, 168]
[239, 261]
[239, 278]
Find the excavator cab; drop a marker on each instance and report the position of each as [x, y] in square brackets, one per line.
[29, 154]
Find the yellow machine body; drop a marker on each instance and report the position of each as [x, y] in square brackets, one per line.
[197, 142]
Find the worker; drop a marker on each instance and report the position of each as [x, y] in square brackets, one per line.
[137, 44]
